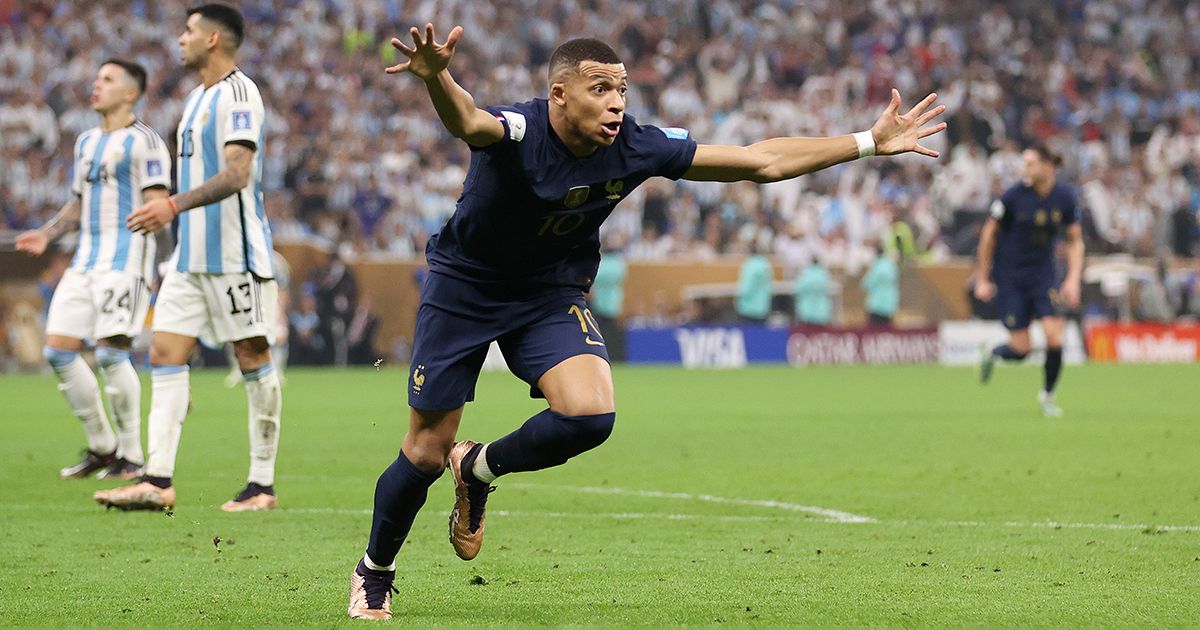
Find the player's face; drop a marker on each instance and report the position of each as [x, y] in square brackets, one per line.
[112, 87]
[192, 46]
[1037, 170]
[594, 101]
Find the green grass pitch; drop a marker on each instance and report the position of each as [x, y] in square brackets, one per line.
[883, 496]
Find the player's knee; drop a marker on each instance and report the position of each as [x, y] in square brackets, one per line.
[57, 357]
[589, 431]
[253, 352]
[108, 356]
[590, 403]
[163, 352]
[426, 456]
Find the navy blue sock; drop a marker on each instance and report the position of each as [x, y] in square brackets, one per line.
[1053, 367]
[548, 439]
[399, 495]
[1007, 353]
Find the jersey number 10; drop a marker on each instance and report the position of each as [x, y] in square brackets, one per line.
[561, 224]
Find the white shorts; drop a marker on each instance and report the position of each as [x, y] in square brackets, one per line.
[218, 307]
[98, 304]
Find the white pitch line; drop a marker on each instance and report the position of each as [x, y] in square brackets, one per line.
[23, 507]
[826, 515]
[620, 516]
[1052, 525]
[833, 516]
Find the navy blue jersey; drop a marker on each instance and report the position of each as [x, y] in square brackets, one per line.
[1029, 227]
[530, 211]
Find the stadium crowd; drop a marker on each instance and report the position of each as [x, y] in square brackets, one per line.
[354, 162]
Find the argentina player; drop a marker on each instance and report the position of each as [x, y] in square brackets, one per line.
[221, 281]
[1016, 265]
[514, 260]
[104, 295]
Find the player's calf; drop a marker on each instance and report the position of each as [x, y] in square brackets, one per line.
[548, 439]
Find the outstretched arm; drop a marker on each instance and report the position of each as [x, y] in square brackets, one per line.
[784, 158]
[430, 61]
[35, 242]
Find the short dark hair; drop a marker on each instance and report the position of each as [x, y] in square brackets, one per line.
[1046, 153]
[573, 52]
[226, 16]
[135, 71]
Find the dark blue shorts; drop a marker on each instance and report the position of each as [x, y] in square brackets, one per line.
[536, 327]
[1019, 303]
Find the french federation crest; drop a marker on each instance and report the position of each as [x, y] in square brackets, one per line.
[576, 196]
[614, 188]
[418, 379]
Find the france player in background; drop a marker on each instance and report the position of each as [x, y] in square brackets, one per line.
[514, 260]
[220, 282]
[104, 295]
[1016, 265]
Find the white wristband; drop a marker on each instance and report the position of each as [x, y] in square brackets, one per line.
[866, 143]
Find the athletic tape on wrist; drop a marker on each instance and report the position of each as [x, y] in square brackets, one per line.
[866, 143]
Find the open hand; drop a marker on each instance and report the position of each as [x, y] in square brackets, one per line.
[32, 242]
[895, 133]
[427, 57]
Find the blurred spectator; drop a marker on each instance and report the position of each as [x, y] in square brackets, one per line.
[753, 300]
[307, 342]
[607, 299]
[814, 305]
[360, 334]
[1184, 232]
[1153, 304]
[882, 286]
[371, 206]
[23, 329]
[337, 298]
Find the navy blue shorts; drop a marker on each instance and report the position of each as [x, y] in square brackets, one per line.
[1019, 303]
[536, 327]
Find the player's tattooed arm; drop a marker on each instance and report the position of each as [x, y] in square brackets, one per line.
[155, 213]
[430, 61]
[239, 161]
[34, 242]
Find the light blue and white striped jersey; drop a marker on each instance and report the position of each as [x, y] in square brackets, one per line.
[231, 235]
[111, 171]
